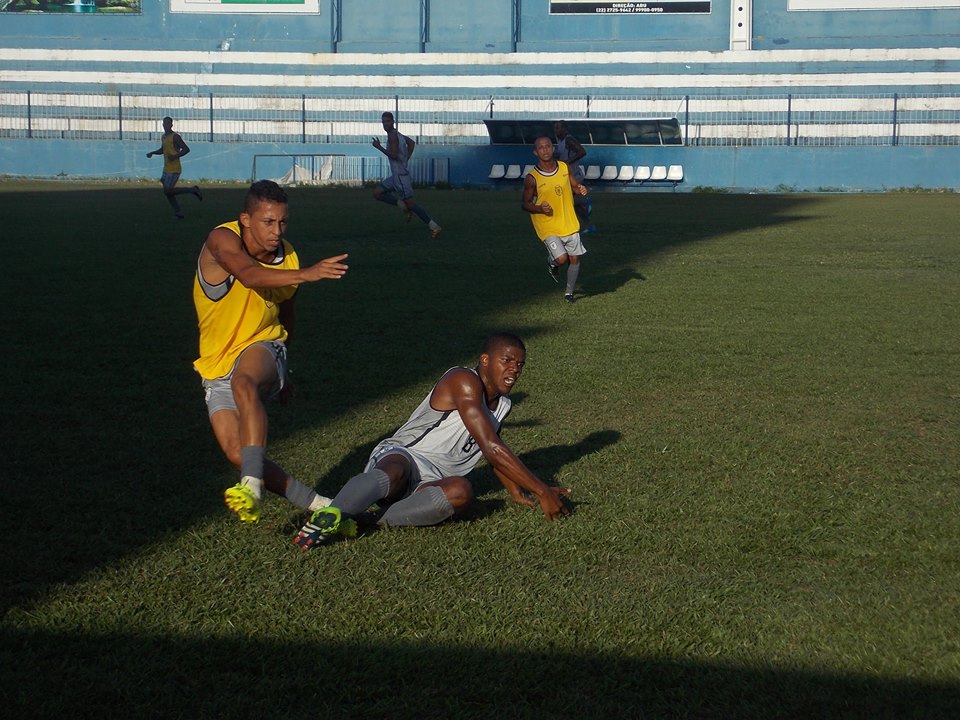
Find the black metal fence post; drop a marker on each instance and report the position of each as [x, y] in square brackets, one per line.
[211, 117]
[896, 100]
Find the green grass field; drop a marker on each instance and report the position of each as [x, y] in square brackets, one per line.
[755, 401]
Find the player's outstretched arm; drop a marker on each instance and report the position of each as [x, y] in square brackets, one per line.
[226, 251]
[463, 390]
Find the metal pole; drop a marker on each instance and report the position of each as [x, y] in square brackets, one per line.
[29, 116]
[211, 117]
[789, 113]
[686, 119]
[120, 113]
[896, 139]
[515, 30]
[588, 106]
[303, 119]
[424, 24]
[337, 29]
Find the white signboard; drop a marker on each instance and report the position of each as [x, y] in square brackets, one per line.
[870, 4]
[246, 6]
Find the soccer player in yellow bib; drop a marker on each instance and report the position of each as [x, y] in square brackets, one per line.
[548, 196]
[172, 147]
[244, 290]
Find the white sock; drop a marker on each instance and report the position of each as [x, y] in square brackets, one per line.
[319, 502]
[255, 484]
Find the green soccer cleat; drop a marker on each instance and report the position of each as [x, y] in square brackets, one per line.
[241, 500]
[324, 526]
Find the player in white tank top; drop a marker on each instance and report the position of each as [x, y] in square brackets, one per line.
[419, 472]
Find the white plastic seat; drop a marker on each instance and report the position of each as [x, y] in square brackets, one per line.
[610, 173]
[675, 173]
[497, 172]
[659, 173]
[625, 174]
[527, 169]
[592, 173]
[513, 172]
[642, 174]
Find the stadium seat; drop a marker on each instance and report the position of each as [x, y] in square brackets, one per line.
[610, 172]
[659, 173]
[593, 172]
[625, 174]
[497, 172]
[513, 172]
[643, 173]
[527, 169]
[675, 173]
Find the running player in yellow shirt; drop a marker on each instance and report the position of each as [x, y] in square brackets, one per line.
[172, 147]
[548, 197]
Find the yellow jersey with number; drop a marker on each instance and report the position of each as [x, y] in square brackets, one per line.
[171, 156]
[231, 317]
[555, 189]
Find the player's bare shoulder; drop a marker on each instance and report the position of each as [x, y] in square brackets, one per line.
[457, 386]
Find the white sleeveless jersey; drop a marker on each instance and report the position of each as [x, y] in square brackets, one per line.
[563, 153]
[399, 166]
[440, 437]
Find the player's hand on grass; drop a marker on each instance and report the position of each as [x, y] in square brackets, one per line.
[327, 269]
[552, 504]
[521, 497]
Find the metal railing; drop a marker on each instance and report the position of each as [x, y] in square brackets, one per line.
[705, 120]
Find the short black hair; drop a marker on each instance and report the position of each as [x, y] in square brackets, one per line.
[503, 339]
[264, 190]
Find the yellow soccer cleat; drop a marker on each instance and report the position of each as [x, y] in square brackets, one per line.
[241, 500]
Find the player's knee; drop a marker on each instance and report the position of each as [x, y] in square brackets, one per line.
[459, 492]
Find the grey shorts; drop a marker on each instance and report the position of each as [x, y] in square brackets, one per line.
[169, 180]
[218, 393]
[566, 245]
[399, 185]
[421, 470]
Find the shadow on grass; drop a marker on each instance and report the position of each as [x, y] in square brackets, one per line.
[113, 676]
[109, 448]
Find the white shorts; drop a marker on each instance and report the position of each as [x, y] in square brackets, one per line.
[169, 180]
[400, 185]
[566, 245]
[421, 469]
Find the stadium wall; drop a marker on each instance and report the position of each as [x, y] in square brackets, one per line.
[416, 48]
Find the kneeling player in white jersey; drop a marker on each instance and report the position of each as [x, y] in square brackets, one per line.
[420, 471]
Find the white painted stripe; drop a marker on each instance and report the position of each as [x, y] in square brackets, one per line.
[567, 59]
[502, 83]
[625, 107]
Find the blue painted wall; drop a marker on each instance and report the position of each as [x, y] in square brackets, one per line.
[378, 26]
[457, 36]
[736, 169]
